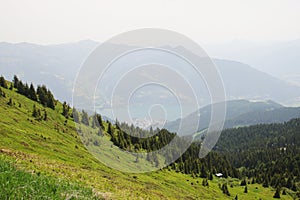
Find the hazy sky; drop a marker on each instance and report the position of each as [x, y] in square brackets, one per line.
[211, 21]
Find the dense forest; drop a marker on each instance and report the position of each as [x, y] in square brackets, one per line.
[268, 154]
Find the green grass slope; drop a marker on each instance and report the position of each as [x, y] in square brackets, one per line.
[47, 153]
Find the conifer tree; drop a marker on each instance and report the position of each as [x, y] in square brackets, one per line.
[16, 82]
[45, 115]
[3, 82]
[277, 193]
[203, 172]
[99, 118]
[246, 189]
[66, 109]
[21, 88]
[32, 93]
[10, 102]
[225, 189]
[284, 192]
[26, 90]
[205, 182]
[243, 182]
[109, 129]
[85, 118]
[75, 115]
[34, 111]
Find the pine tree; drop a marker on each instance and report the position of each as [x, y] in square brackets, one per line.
[85, 118]
[21, 88]
[277, 194]
[32, 93]
[246, 189]
[3, 82]
[75, 115]
[16, 82]
[243, 182]
[289, 183]
[225, 189]
[109, 129]
[45, 115]
[66, 109]
[35, 112]
[266, 182]
[50, 100]
[205, 182]
[42, 95]
[10, 102]
[26, 90]
[284, 192]
[99, 118]
[203, 172]
[294, 187]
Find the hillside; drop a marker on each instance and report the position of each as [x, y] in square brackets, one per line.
[241, 113]
[52, 149]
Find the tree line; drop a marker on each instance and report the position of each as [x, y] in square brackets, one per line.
[42, 95]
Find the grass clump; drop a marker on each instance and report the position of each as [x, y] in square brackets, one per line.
[17, 184]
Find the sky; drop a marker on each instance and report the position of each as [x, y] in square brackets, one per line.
[61, 21]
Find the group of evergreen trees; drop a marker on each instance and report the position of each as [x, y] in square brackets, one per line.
[269, 154]
[38, 115]
[188, 163]
[41, 95]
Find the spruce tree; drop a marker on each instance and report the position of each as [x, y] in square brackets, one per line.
[203, 172]
[243, 182]
[277, 194]
[99, 118]
[85, 118]
[16, 82]
[284, 192]
[34, 111]
[3, 82]
[109, 129]
[246, 189]
[66, 109]
[205, 182]
[10, 102]
[45, 115]
[75, 115]
[225, 189]
[32, 93]
[21, 88]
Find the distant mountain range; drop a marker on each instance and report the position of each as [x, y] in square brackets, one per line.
[240, 113]
[280, 59]
[57, 66]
